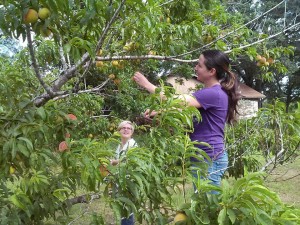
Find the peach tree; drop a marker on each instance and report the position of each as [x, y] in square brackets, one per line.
[63, 95]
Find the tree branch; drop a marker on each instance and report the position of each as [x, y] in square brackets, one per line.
[34, 63]
[62, 57]
[69, 73]
[274, 159]
[96, 89]
[234, 31]
[144, 57]
[100, 42]
[172, 58]
[82, 199]
[264, 39]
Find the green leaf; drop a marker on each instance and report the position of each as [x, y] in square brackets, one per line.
[222, 216]
[7, 147]
[28, 142]
[23, 149]
[263, 218]
[41, 113]
[61, 193]
[231, 215]
[14, 199]
[127, 201]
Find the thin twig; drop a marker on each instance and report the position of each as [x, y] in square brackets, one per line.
[290, 178]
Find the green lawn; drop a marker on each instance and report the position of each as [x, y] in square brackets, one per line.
[285, 180]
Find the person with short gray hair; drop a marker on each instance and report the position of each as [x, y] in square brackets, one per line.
[126, 129]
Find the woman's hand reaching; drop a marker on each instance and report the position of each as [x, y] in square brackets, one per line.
[142, 81]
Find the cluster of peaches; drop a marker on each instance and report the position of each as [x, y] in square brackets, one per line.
[32, 16]
[264, 61]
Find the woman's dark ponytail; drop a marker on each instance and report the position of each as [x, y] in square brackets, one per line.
[220, 61]
[230, 85]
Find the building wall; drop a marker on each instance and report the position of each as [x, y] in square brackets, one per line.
[247, 108]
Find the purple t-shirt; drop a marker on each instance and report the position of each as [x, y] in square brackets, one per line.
[214, 102]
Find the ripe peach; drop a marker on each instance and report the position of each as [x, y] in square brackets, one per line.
[72, 116]
[31, 16]
[63, 146]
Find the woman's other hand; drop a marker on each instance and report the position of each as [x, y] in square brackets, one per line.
[148, 113]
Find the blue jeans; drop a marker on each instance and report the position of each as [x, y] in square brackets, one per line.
[216, 170]
[128, 221]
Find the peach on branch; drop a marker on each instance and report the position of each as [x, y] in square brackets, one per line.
[63, 146]
[180, 217]
[31, 16]
[99, 63]
[71, 116]
[44, 13]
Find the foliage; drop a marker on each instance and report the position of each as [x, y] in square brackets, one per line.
[128, 31]
[280, 80]
[42, 175]
[156, 37]
[246, 201]
[276, 141]
[151, 171]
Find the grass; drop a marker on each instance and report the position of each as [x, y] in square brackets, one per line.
[284, 180]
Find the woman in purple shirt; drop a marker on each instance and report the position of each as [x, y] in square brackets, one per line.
[217, 103]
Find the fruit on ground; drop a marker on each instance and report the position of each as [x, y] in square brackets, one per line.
[31, 16]
[180, 217]
[103, 170]
[259, 64]
[63, 146]
[126, 48]
[44, 13]
[71, 116]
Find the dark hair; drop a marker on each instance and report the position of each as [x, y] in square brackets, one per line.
[220, 62]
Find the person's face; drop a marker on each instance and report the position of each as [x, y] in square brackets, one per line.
[126, 131]
[203, 74]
